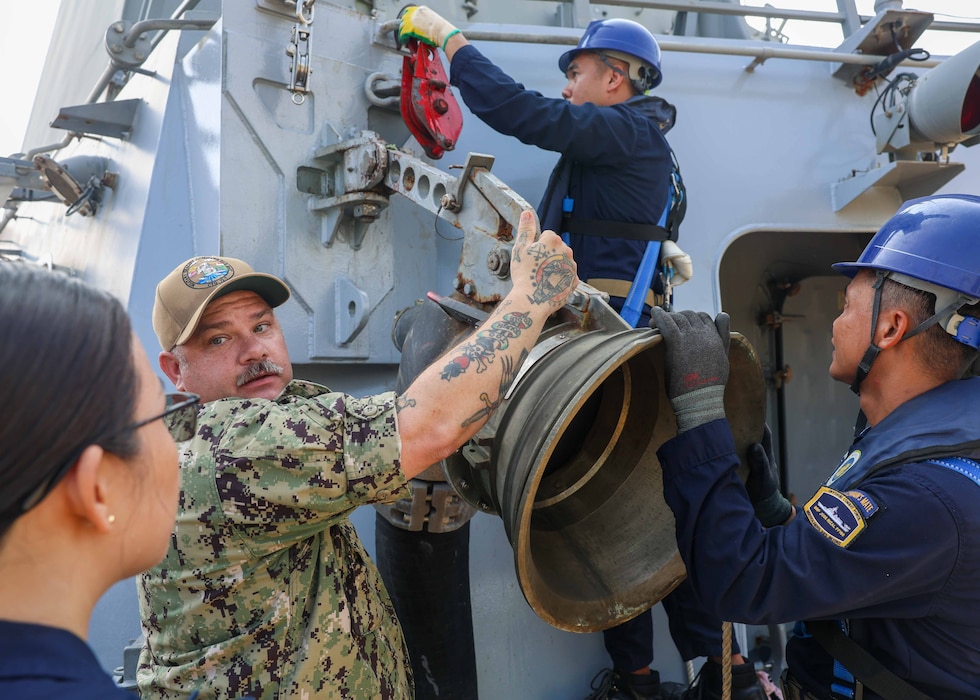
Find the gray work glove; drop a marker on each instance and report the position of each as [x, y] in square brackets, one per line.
[695, 364]
[771, 507]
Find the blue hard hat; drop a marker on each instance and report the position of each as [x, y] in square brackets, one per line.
[622, 36]
[933, 239]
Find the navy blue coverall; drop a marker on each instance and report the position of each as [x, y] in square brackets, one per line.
[615, 160]
[902, 569]
[39, 663]
[616, 165]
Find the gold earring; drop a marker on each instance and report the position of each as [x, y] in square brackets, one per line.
[111, 519]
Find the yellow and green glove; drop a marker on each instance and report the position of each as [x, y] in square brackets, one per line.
[419, 22]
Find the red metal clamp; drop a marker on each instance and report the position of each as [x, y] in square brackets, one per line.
[427, 104]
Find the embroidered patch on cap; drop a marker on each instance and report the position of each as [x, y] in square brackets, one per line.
[206, 272]
[835, 515]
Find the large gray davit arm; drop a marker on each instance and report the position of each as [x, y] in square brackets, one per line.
[362, 173]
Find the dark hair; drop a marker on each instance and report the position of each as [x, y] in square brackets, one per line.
[945, 356]
[67, 378]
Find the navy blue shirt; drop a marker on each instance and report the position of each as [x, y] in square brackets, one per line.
[906, 580]
[617, 157]
[47, 663]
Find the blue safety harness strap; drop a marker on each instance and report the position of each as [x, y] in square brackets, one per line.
[664, 230]
[961, 465]
[632, 309]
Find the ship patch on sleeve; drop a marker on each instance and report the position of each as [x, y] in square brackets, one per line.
[838, 516]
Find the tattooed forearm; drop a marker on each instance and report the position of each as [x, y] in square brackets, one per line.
[403, 402]
[482, 350]
[510, 370]
[552, 279]
[488, 408]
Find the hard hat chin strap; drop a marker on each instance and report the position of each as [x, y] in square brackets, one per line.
[871, 354]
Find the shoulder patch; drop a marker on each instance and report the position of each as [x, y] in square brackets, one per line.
[863, 501]
[836, 516]
[845, 465]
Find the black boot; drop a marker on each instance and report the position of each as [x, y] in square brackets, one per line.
[707, 685]
[610, 684]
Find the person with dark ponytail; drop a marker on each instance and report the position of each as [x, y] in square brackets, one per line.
[89, 475]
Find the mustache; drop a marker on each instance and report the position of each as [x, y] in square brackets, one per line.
[258, 369]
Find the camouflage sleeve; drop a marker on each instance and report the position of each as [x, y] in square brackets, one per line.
[285, 469]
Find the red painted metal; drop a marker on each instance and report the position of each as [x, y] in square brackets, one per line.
[428, 106]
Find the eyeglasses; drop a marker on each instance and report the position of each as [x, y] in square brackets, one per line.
[180, 415]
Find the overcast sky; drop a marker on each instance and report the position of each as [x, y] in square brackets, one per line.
[26, 25]
[25, 31]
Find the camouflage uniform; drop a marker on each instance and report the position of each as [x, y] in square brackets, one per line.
[267, 591]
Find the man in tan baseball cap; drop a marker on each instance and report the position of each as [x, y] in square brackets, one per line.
[277, 465]
[214, 319]
[183, 295]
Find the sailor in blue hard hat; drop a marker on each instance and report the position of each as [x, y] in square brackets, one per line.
[882, 562]
[620, 43]
[931, 245]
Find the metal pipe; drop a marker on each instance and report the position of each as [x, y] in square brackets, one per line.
[185, 6]
[720, 8]
[50, 147]
[151, 25]
[7, 214]
[760, 52]
[102, 83]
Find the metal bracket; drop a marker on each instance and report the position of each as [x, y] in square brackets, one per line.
[351, 309]
[114, 119]
[354, 168]
[888, 32]
[453, 201]
[433, 506]
[357, 211]
[911, 178]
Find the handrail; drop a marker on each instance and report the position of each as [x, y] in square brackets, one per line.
[759, 50]
[721, 8]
